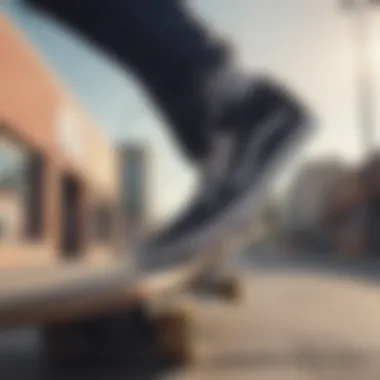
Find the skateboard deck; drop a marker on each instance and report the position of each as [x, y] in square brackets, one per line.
[68, 291]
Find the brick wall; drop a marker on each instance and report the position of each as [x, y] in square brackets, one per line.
[39, 113]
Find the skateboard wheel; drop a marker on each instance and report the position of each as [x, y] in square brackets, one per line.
[174, 336]
[230, 288]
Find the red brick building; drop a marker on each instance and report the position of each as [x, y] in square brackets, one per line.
[53, 158]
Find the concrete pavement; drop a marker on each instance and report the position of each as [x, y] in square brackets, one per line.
[290, 325]
[295, 326]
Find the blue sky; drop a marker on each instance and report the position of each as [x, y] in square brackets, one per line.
[306, 43]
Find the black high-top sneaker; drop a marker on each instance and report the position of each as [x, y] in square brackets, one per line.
[256, 124]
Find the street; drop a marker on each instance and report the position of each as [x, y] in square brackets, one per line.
[294, 322]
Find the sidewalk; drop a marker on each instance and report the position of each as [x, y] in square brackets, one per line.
[290, 328]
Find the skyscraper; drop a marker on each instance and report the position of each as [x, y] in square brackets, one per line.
[134, 192]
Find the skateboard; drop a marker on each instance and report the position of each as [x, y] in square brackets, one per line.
[114, 309]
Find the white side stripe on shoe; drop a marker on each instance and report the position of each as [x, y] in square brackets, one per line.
[266, 129]
[219, 162]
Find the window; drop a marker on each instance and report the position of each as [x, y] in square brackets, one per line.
[71, 216]
[12, 189]
[34, 174]
[21, 195]
[103, 222]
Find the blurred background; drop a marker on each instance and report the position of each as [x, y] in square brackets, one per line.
[86, 164]
[327, 51]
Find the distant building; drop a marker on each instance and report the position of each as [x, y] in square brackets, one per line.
[346, 196]
[304, 202]
[58, 173]
[354, 210]
[135, 187]
[337, 206]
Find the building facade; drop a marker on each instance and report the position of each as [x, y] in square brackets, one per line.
[56, 169]
[305, 198]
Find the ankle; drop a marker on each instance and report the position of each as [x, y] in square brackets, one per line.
[227, 86]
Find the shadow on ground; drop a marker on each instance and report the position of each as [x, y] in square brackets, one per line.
[21, 358]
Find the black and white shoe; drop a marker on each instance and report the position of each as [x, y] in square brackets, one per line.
[161, 250]
[264, 131]
[252, 138]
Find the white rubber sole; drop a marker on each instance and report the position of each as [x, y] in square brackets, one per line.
[237, 216]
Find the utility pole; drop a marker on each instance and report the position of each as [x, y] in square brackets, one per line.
[363, 78]
[366, 106]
